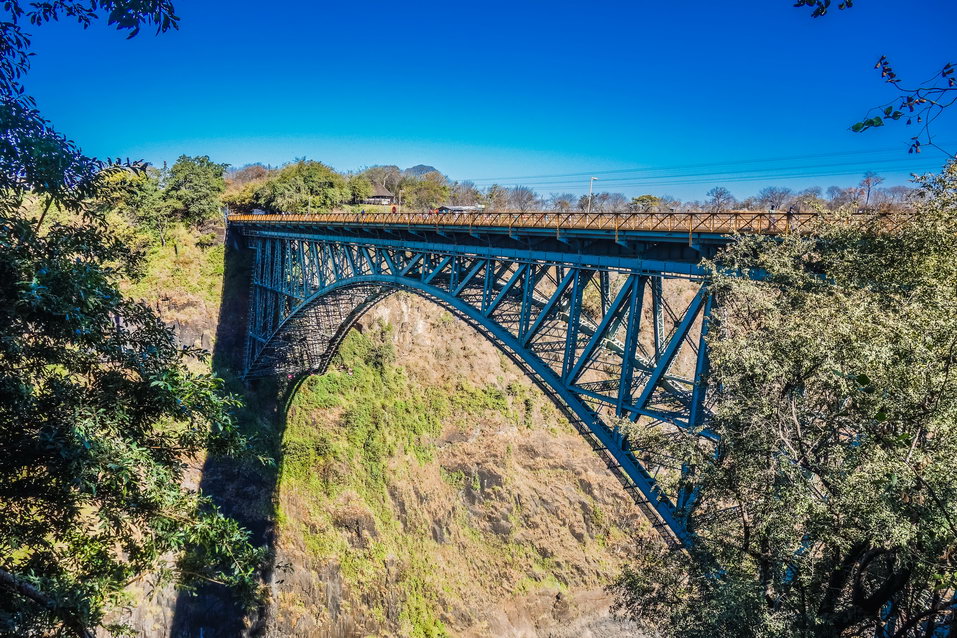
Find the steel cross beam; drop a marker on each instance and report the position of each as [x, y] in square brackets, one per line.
[570, 314]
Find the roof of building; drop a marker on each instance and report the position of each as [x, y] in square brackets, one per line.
[380, 191]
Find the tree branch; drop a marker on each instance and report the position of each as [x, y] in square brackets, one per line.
[26, 590]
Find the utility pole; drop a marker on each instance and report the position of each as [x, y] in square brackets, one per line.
[591, 182]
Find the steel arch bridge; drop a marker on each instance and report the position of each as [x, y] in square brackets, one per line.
[607, 313]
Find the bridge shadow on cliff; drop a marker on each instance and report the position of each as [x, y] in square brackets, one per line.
[242, 488]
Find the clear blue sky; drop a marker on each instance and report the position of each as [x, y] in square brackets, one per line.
[507, 89]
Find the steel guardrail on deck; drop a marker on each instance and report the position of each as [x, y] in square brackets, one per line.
[760, 222]
[692, 222]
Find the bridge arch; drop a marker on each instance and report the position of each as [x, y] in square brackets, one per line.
[307, 292]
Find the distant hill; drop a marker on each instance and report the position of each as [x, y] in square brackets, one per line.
[419, 170]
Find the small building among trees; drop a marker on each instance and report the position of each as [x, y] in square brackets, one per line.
[380, 195]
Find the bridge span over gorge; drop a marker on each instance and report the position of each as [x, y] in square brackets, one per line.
[607, 313]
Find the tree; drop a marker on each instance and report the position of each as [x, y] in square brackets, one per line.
[918, 104]
[465, 194]
[194, 188]
[597, 203]
[829, 503]
[899, 195]
[388, 177]
[302, 187]
[247, 174]
[562, 202]
[138, 197]
[869, 182]
[98, 407]
[772, 197]
[496, 197]
[617, 203]
[719, 199]
[838, 196]
[425, 193]
[242, 184]
[645, 203]
[522, 198]
[809, 198]
[749, 203]
[360, 188]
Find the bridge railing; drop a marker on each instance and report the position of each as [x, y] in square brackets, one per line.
[763, 222]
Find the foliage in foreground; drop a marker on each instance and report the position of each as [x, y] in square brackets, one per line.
[99, 415]
[829, 505]
[100, 410]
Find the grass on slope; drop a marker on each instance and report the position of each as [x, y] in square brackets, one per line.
[189, 264]
[353, 432]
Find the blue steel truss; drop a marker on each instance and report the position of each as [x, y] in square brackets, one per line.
[612, 328]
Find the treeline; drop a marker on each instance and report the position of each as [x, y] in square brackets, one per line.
[309, 186]
[196, 189]
[868, 194]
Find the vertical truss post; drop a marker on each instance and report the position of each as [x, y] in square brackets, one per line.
[488, 285]
[315, 269]
[657, 311]
[301, 272]
[254, 289]
[702, 364]
[528, 289]
[637, 283]
[273, 280]
[455, 272]
[574, 316]
[288, 277]
[286, 272]
[426, 265]
[604, 290]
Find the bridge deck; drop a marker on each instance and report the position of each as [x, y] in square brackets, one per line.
[721, 223]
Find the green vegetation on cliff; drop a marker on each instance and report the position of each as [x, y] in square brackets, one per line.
[387, 426]
[370, 484]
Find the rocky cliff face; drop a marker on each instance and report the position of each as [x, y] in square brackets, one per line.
[428, 489]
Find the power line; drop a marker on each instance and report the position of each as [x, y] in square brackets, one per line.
[686, 166]
[806, 170]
